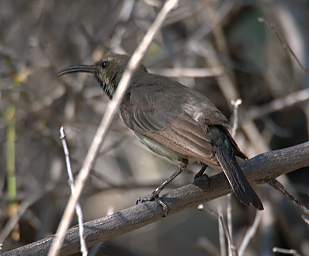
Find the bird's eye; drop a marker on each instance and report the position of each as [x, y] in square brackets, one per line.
[104, 64]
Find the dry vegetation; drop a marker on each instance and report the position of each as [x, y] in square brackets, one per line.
[219, 48]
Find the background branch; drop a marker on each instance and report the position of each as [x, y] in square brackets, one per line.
[278, 186]
[258, 169]
[105, 123]
[78, 208]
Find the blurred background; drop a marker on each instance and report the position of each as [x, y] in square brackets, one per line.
[217, 47]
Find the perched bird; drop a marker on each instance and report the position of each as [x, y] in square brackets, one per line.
[175, 122]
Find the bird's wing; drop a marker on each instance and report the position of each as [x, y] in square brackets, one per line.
[176, 117]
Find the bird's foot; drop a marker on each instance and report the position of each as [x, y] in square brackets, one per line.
[154, 196]
[202, 178]
[201, 172]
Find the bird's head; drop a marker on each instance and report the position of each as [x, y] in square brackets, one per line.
[107, 71]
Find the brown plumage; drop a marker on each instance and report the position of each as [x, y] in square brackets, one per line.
[174, 121]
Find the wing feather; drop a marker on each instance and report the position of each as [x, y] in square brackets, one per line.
[180, 121]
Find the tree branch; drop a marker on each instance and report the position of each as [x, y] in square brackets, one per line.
[258, 169]
[111, 110]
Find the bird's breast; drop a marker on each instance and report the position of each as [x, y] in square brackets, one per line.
[162, 151]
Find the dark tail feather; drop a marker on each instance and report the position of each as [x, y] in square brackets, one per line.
[240, 185]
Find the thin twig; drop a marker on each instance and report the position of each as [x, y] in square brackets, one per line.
[78, 209]
[228, 88]
[284, 44]
[305, 219]
[235, 104]
[229, 230]
[258, 169]
[222, 239]
[278, 186]
[127, 185]
[207, 245]
[277, 105]
[106, 122]
[231, 246]
[10, 225]
[286, 251]
[250, 233]
[125, 14]
[186, 72]
[223, 230]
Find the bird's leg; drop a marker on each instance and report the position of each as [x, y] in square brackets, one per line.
[158, 190]
[201, 172]
[155, 194]
[201, 176]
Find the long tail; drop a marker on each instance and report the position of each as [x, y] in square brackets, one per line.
[225, 154]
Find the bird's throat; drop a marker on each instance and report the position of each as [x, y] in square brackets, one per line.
[108, 88]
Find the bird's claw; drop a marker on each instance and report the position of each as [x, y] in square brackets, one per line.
[144, 199]
[202, 178]
[154, 197]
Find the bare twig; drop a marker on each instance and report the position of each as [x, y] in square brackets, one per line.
[278, 186]
[267, 228]
[231, 246]
[9, 226]
[224, 80]
[225, 228]
[236, 104]
[105, 124]
[127, 185]
[250, 233]
[228, 88]
[305, 219]
[258, 169]
[124, 16]
[222, 227]
[286, 251]
[78, 209]
[283, 42]
[223, 231]
[277, 105]
[222, 241]
[187, 72]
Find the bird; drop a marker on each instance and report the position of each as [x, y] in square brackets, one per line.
[175, 122]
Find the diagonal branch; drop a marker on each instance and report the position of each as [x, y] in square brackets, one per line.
[105, 123]
[258, 169]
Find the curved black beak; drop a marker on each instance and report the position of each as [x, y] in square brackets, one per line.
[78, 68]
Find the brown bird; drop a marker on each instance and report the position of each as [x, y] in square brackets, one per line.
[175, 122]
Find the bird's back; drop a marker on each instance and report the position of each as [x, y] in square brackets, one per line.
[165, 100]
[164, 112]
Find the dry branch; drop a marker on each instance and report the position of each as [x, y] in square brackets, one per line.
[277, 105]
[105, 123]
[78, 208]
[258, 169]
